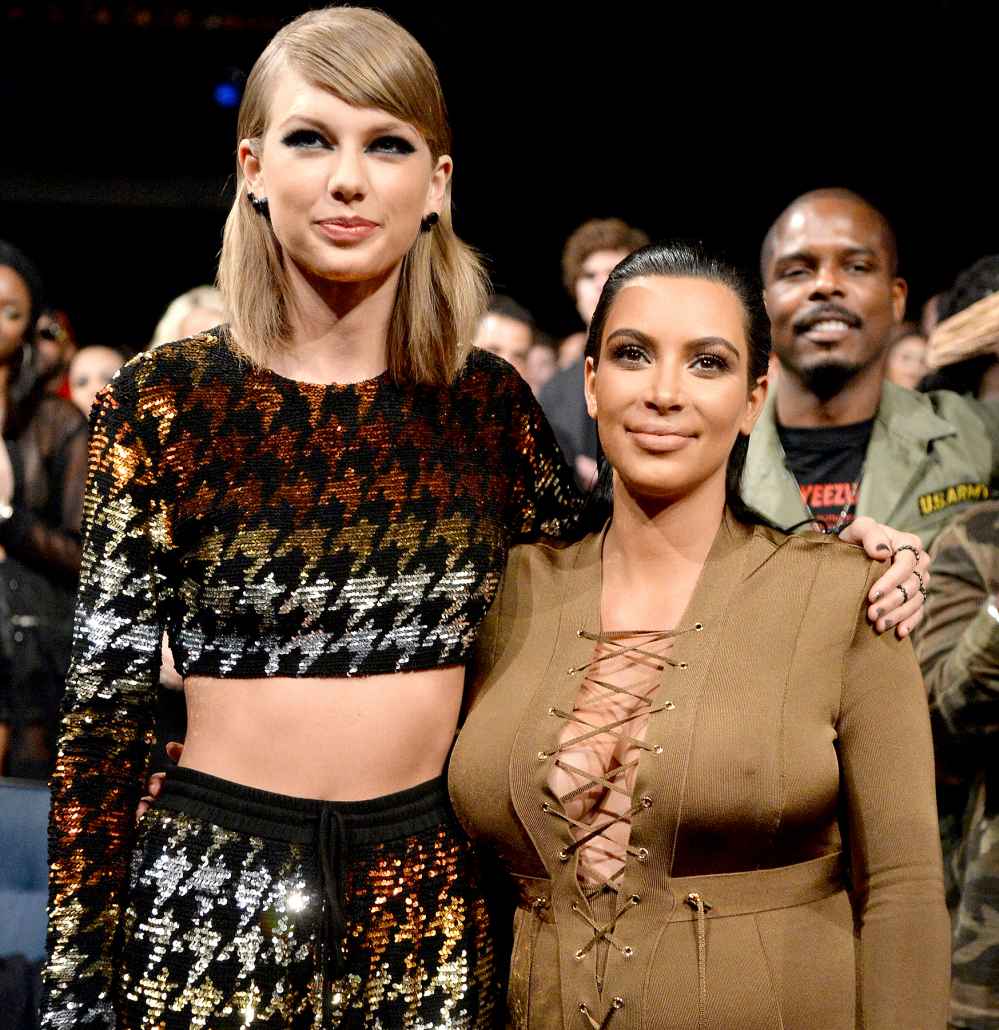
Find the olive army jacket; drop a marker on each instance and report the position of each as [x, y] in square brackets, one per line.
[931, 456]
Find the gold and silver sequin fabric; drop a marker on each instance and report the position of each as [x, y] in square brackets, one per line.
[274, 528]
[223, 929]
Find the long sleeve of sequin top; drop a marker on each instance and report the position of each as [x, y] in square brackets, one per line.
[544, 501]
[107, 711]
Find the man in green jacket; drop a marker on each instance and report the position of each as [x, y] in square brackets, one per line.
[836, 439]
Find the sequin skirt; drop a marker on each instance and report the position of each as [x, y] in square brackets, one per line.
[248, 908]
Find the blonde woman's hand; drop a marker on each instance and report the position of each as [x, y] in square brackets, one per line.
[896, 600]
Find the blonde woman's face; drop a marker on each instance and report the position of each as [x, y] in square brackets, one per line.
[346, 186]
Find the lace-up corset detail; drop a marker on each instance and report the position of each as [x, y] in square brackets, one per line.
[594, 764]
[592, 775]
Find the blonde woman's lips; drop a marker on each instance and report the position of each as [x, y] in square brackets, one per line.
[347, 230]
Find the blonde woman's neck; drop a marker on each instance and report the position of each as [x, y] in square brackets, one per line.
[339, 331]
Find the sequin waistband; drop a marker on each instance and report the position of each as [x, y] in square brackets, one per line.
[295, 820]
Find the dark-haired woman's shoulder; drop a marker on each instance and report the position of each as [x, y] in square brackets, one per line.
[817, 561]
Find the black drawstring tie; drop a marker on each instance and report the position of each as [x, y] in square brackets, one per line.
[334, 929]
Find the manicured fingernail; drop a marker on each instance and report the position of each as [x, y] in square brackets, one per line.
[879, 595]
[878, 612]
[889, 624]
[883, 547]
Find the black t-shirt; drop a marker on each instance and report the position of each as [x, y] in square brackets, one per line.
[828, 464]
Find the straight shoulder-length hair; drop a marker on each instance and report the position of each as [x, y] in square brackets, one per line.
[367, 60]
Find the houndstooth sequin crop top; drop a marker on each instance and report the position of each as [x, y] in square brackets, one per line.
[273, 528]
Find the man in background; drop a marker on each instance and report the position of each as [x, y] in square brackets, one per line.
[836, 439]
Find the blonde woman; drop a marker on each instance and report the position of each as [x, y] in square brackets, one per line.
[316, 504]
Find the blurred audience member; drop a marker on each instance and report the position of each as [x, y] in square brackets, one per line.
[570, 350]
[189, 314]
[89, 371]
[590, 255]
[43, 465]
[930, 315]
[506, 330]
[963, 349]
[54, 346]
[959, 652]
[906, 364]
[542, 362]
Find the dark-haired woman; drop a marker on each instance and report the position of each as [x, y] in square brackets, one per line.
[710, 779]
[43, 464]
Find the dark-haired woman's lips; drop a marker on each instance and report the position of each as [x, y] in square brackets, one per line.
[347, 230]
[660, 440]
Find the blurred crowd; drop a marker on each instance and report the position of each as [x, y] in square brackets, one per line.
[48, 385]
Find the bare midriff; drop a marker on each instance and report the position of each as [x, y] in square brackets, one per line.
[335, 739]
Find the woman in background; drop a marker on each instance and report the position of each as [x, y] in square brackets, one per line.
[43, 456]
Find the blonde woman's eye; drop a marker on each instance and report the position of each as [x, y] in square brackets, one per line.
[392, 145]
[307, 138]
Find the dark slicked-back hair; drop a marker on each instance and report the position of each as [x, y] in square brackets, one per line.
[888, 237]
[681, 260]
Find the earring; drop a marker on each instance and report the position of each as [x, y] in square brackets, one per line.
[260, 205]
[429, 221]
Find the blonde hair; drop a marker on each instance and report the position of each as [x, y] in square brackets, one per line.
[365, 59]
[168, 327]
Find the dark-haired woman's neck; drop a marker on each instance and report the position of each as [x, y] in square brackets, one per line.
[653, 555]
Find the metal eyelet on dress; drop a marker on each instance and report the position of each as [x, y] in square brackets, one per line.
[635, 899]
[646, 801]
[580, 955]
[542, 755]
[551, 710]
[628, 951]
[682, 666]
[618, 1002]
[563, 855]
[698, 626]
[658, 749]
[545, 807]
[643, 855]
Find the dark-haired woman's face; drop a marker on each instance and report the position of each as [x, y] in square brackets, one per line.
[670, 392]
[15, 312]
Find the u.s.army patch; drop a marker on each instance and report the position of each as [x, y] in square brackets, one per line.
[959, 493]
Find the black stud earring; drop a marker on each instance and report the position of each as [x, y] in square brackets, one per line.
[429, 221]
[260, 205]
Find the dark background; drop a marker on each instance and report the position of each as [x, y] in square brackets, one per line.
[692, 120]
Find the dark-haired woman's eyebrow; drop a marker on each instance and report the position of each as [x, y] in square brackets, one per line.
[630, 334]
[713, 341]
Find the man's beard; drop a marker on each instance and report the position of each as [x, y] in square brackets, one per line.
[824, 381]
